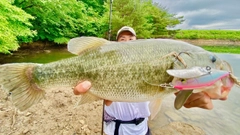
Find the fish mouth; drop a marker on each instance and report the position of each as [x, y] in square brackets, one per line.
[200, 82]
[216, 83]
[216, 89]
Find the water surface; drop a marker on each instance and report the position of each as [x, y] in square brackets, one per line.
[37, 56]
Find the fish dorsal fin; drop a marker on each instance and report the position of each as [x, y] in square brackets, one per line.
[80, 44]
[154, 107]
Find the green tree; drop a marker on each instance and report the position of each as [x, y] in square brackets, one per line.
[160, 19]
[59, 20]
[131, 13]
[14, 24]
[147, 18]
[96, 5]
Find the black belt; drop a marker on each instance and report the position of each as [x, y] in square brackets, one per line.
[119, 122]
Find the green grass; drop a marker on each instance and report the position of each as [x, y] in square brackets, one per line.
[223, 49]
[208, 34]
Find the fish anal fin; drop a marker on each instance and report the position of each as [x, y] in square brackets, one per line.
[81, 44]
[154, 107]
[88, 98]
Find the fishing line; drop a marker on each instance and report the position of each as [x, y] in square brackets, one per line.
[103, 117]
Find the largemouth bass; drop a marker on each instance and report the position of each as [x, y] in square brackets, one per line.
[119, 71]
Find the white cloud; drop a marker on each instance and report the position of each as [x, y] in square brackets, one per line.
[205, 14]
[231, 24]
[210, 26]
[200, 12]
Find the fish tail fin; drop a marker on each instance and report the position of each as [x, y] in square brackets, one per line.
[16, 79]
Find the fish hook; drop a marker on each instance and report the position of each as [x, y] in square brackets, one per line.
[177, 56]
[166, 85]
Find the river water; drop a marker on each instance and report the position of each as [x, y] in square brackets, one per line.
[224, 119]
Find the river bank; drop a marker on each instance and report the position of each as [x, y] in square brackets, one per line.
[212, 42]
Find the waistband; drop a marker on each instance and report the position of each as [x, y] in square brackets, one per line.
[119, 122]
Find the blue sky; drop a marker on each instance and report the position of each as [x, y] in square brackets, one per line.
[205, 14]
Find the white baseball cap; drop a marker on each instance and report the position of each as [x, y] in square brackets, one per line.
[126, 28]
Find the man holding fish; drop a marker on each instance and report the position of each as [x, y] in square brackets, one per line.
[128, 73]
[118, 115]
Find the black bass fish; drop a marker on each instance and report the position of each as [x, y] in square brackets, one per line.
[131, 71]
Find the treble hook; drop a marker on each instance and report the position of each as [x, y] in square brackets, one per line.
[166, 85]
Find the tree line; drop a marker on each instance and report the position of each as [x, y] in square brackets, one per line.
[26, 21]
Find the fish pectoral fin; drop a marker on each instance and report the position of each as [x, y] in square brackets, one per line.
[82, 44]
[181, 98]
[88, 98]
[154, 107]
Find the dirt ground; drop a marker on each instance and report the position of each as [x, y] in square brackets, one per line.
[59, 114]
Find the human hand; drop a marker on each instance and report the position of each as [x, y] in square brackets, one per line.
[204, 98]
[200, 100]
[83, 87]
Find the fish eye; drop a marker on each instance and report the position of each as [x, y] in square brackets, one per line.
[213, 58]
[208, 68]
